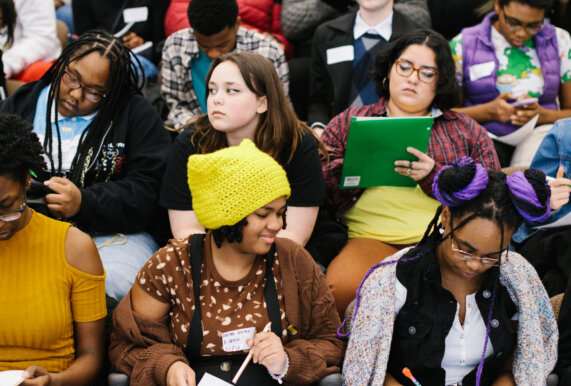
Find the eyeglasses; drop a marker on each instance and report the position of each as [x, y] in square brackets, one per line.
[425, 74]
[73, 83]
[515, 24]
[13, 215]
[466, 256]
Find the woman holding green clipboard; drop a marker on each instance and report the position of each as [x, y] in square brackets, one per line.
[415, 78]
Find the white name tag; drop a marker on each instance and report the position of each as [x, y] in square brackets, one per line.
[235, 340]
[340, 54]
[352, 181]
[481, 70]
[135, 15]
[211, 380]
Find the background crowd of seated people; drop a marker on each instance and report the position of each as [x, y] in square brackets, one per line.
[288, 76]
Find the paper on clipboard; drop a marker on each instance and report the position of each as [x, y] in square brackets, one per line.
[563, 221]
[211, 380]
[374, 143]
[11, 377]
[519, 135]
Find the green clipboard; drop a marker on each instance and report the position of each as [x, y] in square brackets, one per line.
[375, 143]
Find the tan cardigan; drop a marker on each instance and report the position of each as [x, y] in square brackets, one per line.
[143, 349]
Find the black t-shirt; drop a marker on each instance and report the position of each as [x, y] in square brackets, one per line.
[303, 172]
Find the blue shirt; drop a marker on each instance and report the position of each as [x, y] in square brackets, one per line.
[198, 73]
[71, 129]
[554, 151]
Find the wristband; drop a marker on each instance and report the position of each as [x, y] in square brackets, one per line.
[283, 374]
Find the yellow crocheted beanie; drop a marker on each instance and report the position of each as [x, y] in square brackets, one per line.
[229, 184]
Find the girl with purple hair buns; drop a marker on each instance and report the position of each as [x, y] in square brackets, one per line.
[459, 307]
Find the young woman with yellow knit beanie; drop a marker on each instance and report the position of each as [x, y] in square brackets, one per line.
[52, 283]
[245, 100]
[200, 303]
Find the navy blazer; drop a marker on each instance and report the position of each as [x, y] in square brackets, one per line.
[330, 84]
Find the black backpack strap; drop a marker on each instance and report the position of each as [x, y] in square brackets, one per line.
[195, 334]
[271, 294]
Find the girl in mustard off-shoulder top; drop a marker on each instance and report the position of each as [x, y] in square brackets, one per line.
[52, 287]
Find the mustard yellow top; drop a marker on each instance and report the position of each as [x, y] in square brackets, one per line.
[394, 215]
[41, 295]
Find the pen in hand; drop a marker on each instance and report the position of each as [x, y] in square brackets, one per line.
[407, 373]
[267, 328]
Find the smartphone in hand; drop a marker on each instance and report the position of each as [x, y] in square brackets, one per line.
[523, 102]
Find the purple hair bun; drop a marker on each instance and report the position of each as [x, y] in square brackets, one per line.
[469, 192]
[525, 199]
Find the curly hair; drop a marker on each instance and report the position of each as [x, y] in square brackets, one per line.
[208, 17]
[21, 148]
[233, 233]
[447, 89]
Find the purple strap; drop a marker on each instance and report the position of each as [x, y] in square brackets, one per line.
[488, 323]
[358, 294]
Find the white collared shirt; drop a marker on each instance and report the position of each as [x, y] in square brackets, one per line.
[384, 28]
[464, 344]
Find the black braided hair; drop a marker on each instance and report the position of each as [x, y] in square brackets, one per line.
[123, 80]
[233, 233]
[21, 148]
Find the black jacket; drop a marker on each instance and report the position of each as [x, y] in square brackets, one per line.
[108, 15]
[330, 84]
[423, 323]
[126, 203]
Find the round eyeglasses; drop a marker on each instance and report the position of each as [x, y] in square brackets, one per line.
[425, 74]
[72, 82]
[515, 24]
[13, 215]
[467, 256]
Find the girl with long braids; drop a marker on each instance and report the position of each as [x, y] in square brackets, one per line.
[105, 147]
[459, 308]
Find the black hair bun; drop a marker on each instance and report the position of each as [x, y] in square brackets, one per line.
[537, 180]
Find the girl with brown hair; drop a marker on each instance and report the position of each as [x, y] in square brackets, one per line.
[245, 100]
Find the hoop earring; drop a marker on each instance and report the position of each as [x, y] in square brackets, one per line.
[441, 230]
[384, 83]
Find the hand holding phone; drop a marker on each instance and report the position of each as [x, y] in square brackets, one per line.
[523, 102]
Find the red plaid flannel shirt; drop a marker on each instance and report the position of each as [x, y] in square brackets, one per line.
[453, 136]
